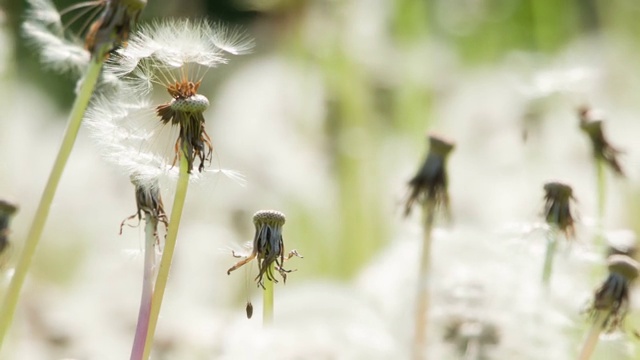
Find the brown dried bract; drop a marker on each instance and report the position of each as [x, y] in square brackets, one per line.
[113, 26]
[602, 148]
[429, 185]
[185, 111]
[557, 207]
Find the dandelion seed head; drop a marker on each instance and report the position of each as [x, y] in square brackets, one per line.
[195, 103]
[623, 265]
[429, 185]
[557, 207]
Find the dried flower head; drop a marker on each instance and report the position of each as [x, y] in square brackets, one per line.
[113, 26]
[7, 210]
[429, 185]
[612, 297]
[148, 202]
[591, 124]
[557, 207]
[268, 247]
[465, 332]
[147, 138]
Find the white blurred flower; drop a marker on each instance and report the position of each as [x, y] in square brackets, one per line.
[58, 49]
[172, 56]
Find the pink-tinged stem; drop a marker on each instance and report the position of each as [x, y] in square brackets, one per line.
[142, 328]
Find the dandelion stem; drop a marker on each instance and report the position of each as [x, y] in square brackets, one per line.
[472, 351]
[35, 232]
[594, 335]
[147, 288]
[267, 310]
[423, 284]
[552, 244]
[167, 253]
[601, 193]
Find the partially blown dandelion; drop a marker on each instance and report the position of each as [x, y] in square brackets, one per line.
[268, 249]
[429, 188]
[471, 336]
[611, 300]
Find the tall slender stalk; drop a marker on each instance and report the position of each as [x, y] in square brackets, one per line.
[602, 197]
[473, 349]
[552, 244]
[422, 306]
[147, 287]
[31, 243]
[267, 302]
[167, 253]
[594, 335]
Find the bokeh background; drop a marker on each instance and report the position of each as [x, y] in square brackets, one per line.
[327, 121]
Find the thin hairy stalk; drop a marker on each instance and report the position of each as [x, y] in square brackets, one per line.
[167, 252]
[147, 288]
[552, 244]
[267, 299]
[422, 303]
[602, 196]
[594, 335]
[35, 232]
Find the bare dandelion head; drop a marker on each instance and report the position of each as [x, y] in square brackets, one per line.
[149, 203]
[268, 247]
[557, 207]
[612, 297]
[429, 185]
[7, 211]
[591, 124]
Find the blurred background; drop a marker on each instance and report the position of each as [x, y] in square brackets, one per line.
[327, 121]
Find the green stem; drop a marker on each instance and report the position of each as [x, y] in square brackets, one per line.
[142, 328]
[422, 303]
[552, 244]
[35, 232]
[167, 253]
[594, 335]
[267, 310]
[602, 196]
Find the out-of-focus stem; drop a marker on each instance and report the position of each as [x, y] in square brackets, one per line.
[167, 253]
[473, 350]
[147, 288]
[602, 196]
[422, 303]
[594, 335]
[552, 244]
[35, 232]
[267, 302]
